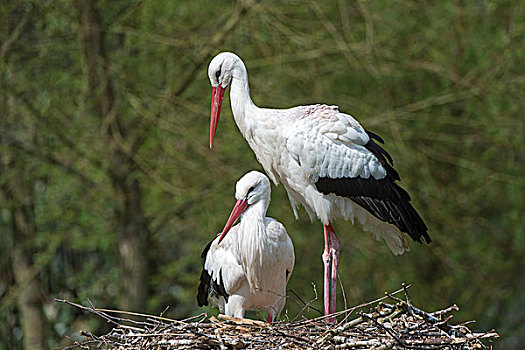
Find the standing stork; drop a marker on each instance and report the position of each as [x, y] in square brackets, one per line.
[249, 268]
[327, 163]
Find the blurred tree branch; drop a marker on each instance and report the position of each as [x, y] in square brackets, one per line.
[15, 34]
[40, 153]
[57, 127]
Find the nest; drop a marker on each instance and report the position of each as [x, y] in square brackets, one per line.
[386, 323]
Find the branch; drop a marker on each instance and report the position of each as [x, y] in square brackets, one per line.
[425, 315]
[50, 158]
[7, 44]
[208, 49]
[39, 119]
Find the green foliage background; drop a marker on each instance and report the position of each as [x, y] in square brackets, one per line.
[441, 81]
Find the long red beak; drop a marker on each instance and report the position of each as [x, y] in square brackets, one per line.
[237, 210]
[217, 95]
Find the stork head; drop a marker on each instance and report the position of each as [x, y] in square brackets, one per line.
[220, 72]
[251, 189]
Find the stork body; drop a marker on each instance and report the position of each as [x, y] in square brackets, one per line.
[248, 266]
[327, 163]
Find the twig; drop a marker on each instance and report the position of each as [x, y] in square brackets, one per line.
[305, 304]
[380, 325]
[445, 311]
[243, 320]
[342, 292]
[426, 316]
[407, 296]
[139, 314]
[219, 338]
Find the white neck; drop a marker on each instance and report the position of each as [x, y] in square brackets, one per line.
[257, 126]
[250, 241]
[240, 95]
[251, 227]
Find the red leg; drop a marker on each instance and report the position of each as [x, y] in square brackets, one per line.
[269, 318]
[335, 248]
[326, 261]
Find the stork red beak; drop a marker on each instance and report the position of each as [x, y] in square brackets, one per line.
[217, 95]
[238, 209]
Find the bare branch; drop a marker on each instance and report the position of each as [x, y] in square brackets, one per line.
[48, 157]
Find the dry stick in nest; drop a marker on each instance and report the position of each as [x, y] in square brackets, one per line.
[426, 316]
[382, 326]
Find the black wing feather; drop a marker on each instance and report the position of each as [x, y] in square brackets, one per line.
[208, 285]
[383, 198]
[384, 157]
[204, 288]
[375, 136]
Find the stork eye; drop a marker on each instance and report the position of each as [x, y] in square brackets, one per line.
[218, 74]
[251, 189]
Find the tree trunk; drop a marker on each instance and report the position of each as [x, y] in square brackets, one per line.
[28, 300]
[132, 247]
[129, 220]
[16, 196]
[18, 199]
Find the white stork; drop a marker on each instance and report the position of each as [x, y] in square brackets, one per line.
[327, 163]
[249, 268]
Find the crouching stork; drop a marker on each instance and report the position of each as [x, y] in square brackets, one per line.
[248, 265]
